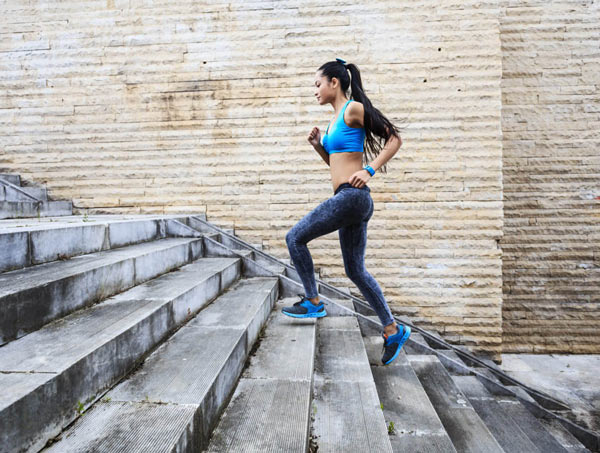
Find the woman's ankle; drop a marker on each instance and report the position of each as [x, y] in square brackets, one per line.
[315, 300]
[391, 329]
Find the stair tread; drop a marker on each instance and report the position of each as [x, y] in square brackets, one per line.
[465, 428]
[34, 296]
[508, 434]
[194, 368]
[78, 356]
[534, 429]
[563, 436]
[54, 347]
[348, 413]
[183, 367]
[265, 415]
[103, 428]
[282, 365]
[405, 402]
[287, 349]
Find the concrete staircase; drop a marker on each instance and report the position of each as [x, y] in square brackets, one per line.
[17, 201]
[165, 333]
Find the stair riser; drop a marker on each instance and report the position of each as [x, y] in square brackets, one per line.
[13, 179]
[44, 412]
[17, 210]
[41, 193]
[30, 309]
[231, 243]
[8, 193]
[251, 268]
[22, 249]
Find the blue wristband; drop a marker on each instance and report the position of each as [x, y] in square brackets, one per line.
[370, 170]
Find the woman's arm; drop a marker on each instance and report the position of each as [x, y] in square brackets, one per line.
[319, 148]
[390, 148]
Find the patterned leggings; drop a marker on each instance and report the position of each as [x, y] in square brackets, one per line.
[348, 211]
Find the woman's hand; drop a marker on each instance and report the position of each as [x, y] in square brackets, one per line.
[359, 179]
[314, 138]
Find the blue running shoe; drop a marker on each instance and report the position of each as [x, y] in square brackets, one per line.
[305, 309]
[393, 343]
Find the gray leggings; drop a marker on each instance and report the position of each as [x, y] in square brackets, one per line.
[348, 211]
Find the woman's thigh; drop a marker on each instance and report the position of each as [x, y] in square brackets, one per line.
[346, 208]
[353, 242]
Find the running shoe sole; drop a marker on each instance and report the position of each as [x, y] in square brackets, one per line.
[400, 344]
[317, 314]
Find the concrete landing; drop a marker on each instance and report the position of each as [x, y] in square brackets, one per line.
[571, 378]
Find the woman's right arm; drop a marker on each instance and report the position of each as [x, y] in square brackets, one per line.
[314, 138]
[319, 148]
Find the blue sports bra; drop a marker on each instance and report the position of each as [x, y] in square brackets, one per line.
[344, 139]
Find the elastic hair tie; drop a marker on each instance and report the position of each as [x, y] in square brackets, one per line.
[341, 61]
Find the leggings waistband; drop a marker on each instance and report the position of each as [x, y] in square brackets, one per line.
[347, 184]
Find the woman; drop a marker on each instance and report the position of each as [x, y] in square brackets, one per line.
[351, 206]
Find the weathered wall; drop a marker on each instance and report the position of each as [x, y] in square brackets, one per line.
[143, 106]
[551, 141]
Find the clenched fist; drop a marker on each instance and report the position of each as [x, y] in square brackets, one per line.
[314, 138]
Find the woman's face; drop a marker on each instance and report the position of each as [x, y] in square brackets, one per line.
[324, 92]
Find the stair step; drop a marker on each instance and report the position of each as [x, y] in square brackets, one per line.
[22, 209]
[348, 414]
[41, 193]
[31, 244]
[10, 192]
[44, 375]
[416, 424]
[563, 436]
[465, 428]
[530, 425]
[11, 178]
[453, 362]
[282, 365]
[195, 369]
[34, 296]
[370, 328]
[501, 424]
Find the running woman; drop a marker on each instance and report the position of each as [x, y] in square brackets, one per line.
[351, 206]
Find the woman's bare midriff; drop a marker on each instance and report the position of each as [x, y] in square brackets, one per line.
[344, 165]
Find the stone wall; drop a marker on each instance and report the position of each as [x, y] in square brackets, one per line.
[140, 106]
[551, 140]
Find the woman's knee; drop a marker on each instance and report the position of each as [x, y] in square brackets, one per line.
[291, 237]
[356, 274]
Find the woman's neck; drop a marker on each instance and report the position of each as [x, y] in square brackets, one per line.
[338, 104]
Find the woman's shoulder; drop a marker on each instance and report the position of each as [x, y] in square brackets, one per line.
[355, 114]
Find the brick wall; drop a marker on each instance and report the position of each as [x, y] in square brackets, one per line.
[550, 124]
[143, 106]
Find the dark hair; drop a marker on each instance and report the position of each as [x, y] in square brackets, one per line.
[375, 122]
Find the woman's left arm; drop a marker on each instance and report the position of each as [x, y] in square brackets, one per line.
[391, 147]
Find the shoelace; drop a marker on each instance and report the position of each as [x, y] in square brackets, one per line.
[301, 296]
